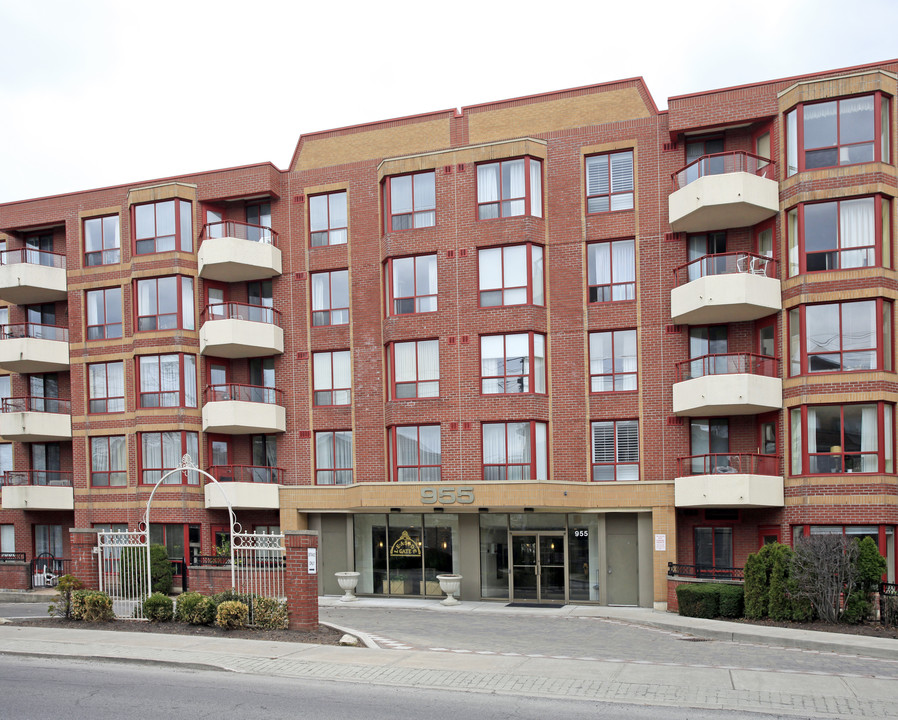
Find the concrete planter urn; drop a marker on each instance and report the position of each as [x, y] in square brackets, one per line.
[348, 582]
[451, 585]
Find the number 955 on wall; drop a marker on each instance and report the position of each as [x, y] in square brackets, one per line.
[447, 495]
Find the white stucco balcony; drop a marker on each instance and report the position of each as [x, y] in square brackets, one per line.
[729, 481]
[233, 409]
[29, 276]
[730, 384]
[239, 330]
[246, 486]
[37, 490]
[238, 252]
[33, 348]
[35, 419]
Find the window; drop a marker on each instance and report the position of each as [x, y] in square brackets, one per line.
[161, 306]
[167, 380]
[702, 147]
[330, 298]
[513, 363]
[46, 465]
[162, 227]
[410, 201]
[842, 438]
[101, 241]
[709, 440]
[161, 452]
[840, 234]
[332, 378]
[706, 255]
[612, 361]
[48, 539]
[515, 451]
[611, 270]
[5, 388]
[415, 369]
[838, 132]
[106, 386]
[415, 453]
[265, 458]
[840, 337]
[7, 538]
[328, 223]
[708, 348]
[713, 549]
[511, 275]
[412, 284]
[4, 315]
[609, 182]
[104, 313]
[258, 219]
[615, 450]
[5, 460]
[509, 188]
[333, 457]
[108, 457]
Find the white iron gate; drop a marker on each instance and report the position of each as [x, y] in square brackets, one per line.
[125, 570]
[258, 564]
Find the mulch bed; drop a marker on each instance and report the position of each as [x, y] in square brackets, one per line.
[870, 630]
[323, 635]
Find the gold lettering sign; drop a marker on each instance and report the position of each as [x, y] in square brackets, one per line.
[405, 547]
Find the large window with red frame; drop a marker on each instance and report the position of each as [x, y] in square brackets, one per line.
[108, 461]
[106, 387]
[165, 303]
[510, 188]
[328, 223]
[162, 226]
[611, 270]
[713, 548]
[161, 452]
[511, 275]
[414, 369]
[167, 380]
[846, 131]
[332, 378]
[333, 457]
[513, 363]
[415, 453]
[848, 438]
[104, 313]
[410, 201]
[515, 451]
[840, 337]
[330, 298]
[609, 182]
[840, 234]
[615, 450]
[612, 361]
[102, 245]
[412, 284]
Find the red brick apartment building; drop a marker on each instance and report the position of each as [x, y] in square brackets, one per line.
[552, 343]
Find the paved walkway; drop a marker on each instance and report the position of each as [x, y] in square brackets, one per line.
[804, 694]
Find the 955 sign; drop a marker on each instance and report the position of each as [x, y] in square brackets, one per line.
[447, 495]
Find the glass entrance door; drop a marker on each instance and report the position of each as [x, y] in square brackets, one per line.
[538, 567]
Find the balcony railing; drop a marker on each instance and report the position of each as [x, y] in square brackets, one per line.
[270, 559]
[728, 464]
[42, 478]
[726, 264]
[36, 404]
[728, 364]
[46, 570]
[32, 256]
[722, 163]
[12, 557]
[246, 473]
[239, 230]
[35, 331]
[231, 392]
[241, 311]
[704, 571]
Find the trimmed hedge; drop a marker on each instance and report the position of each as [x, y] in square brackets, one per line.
[732, 601]
[232, 615]
[710, 600]
[158, 607]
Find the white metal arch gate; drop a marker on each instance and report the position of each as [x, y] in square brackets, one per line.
[257, 562]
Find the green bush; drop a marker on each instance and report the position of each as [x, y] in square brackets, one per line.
[158, 608]
[870, 566]
[700, 600]
[160, 569]
[779, 605]
[232, 615]
[202, 613]
[857, 609]
[802, 607]
[92, 606]
[732, 601]
[186, 604]
[268, 613]
[757, 581]
[64, 588]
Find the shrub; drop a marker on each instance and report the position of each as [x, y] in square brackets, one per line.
[756, 586]
[64, 588]
[268, 613]
[870, 566]
[160, 569]
[857, 609]
[158, 607]
[202, 613]
[186, 604]
[92, 606]
[779, 605]
[700, 600]
[732, 601]
[825, 568]
[232, 615]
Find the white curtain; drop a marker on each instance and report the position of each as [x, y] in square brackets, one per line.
[146, 297]
[169, 380]
[320, 291]
[187, 321]
[342, 377]
[519, 443]
[401, 195]
[536, 188]
[428, 360]
[171, 455]
[149, 375]
[857, 228]
[321, 371]
[152, 456]
[115, 386]
[539, 363]
[623, 260]
[792, 143]
[488, 183]
[7, 538]
[404, 356]
[795, 421]
[536, 272]
[514, 183]
[869, 439]
[600, 267]
[625, 359]
[493, 443]
[792, 222]
[425, 191]
[542, 451]
[189, 381]
[343, 457]
[427, 277]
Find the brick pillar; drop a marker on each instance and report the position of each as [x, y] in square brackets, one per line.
[85, 563]
[302, 588]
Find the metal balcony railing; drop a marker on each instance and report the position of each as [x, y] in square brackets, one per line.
[728, 364]
[32, 256]
[241, 311]
[725, 264]
[36, 404]
[729, 463]
[35, 331]
[239, 230]
[723, 163]
[12, 557]
[42, 478]
[230, 392]
[704, 571]
[247, 473]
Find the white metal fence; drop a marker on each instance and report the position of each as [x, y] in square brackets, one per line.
[125, 571]
[258, 564]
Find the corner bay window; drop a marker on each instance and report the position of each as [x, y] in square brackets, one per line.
[333, 457]
[411, 284]
[330, 298]
[509, 188]
[511, 275]
[514, 363]
[840, 337]
[165, 303]
[167, 380]
[609, 182]
[515, 451]
[410, 201]
[162, 227]
[327, 219]
[161, 452]
[106, 387]
[842, 438]
[414, 369]
[104, 313]
[612, 361]
[615, 450]
[415, 453]
[611, 270]
[101, 241]
[332, 378]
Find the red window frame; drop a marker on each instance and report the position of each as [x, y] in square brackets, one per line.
[534, 289]
[423, 472]
[616, 374]
[335, 233]
[181, 240]
[418, 216]
[166, 398]
[330, 312]
[399, 389]
[611, 291]
[104, 330]
[603, 202]
[117, 477]
[708, 570]
[420, 301]
[328, 396]
[528, 380]
[103, 401]
[503, 204]
[340, 473]
[108, 254]
[185, 477]
[883, 341]
[616, 464]
[179, 318]
[497, 472]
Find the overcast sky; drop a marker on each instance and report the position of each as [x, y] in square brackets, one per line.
[96, 93]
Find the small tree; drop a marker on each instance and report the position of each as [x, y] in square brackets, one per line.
[160, 569]
[780, 601]
[824, 567]
[757, 581]
[67, 585]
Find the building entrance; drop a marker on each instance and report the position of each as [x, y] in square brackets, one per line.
[539, 567]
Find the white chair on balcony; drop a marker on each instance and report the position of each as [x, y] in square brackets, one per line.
[742, 264]
[759, 266]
